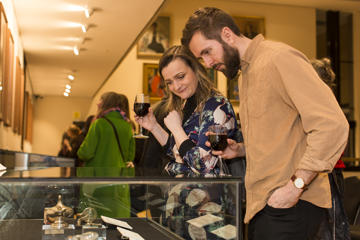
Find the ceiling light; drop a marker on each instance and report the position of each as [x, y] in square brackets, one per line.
[71, 77]
[66, 94]
[68, 86]
[67, 90]
[0, 88]
[88, 12]
[76, 50]
[83, 28]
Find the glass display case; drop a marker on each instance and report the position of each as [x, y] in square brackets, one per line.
[67, 203]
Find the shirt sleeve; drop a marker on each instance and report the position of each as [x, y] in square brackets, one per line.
[217, 110]
[88, 147]
[323, 121]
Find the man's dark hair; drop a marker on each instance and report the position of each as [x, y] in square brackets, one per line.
[209, 21]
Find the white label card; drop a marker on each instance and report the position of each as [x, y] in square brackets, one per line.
[116, 222]
[131, 235]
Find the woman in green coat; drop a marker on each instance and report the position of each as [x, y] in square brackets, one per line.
[100, 150]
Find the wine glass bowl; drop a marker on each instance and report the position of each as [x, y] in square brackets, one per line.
[141, 109]
[217, 135]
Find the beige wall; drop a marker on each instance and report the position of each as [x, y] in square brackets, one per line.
[297, 23]
[52, 116]
[8, 139]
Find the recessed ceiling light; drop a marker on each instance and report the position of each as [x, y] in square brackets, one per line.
[66, 94]
[67, 90]
[88, 12]
[68, 86]
[71, 77]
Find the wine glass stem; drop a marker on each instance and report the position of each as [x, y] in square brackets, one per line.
[140, 130]
[221, 173]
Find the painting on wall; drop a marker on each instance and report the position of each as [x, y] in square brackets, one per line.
[233, 88]
[251, 26]
[152, 84]
[155, 41]
[3, 31]
[212, 75]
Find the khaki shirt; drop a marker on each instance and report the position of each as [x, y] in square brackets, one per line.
[290, 120]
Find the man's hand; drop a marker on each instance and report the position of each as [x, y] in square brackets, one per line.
[233, 149]
[285, 197]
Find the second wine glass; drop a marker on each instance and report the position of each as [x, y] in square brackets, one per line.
[141, 108]
[218, 140]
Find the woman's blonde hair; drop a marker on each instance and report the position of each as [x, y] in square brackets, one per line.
[205, 88]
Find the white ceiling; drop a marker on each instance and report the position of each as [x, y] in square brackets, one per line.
[49, 30]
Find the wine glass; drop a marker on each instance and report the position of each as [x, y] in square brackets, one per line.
[218, 141]
[141, 108]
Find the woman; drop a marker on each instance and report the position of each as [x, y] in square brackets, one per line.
[109, 158]
[193, 105]
[100, 147]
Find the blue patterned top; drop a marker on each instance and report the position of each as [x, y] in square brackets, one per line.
[198, 160]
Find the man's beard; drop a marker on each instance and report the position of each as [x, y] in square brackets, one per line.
[231, 61]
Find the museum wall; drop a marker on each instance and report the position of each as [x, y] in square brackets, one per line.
[8, 139]
[51, 118]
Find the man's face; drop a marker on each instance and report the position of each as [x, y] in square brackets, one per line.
[216, 55]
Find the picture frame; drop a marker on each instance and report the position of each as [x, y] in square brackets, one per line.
[212, 73]
[233, 88]
[250, 26]
[152, 85]
[150, 46]
[3, 35]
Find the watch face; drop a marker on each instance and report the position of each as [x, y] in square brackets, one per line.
[299, 183]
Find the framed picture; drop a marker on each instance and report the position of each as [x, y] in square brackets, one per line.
[155, 40]
[251, 26]
[152, 85]
[212, 75]
[233, 88]
[3, 34]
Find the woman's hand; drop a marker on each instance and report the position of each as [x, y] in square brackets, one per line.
[233, 149]
[130, 165]
[148, 122]
[173, 122]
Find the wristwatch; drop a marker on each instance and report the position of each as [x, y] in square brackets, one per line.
[298, 182]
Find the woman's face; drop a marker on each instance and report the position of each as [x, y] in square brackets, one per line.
[180, 78]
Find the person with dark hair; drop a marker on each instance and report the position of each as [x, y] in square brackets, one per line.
[109, 142]
[336, 225]
[294, 130]
[70, 142]
[192, 106]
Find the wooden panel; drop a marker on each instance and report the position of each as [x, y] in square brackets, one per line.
[28, 117]
[8, 88]
[3, 33]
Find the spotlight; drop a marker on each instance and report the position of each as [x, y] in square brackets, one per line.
[66, 94]
[71, 77]
[67, 90]
[88, 12]
[68, 86]
[76, 51]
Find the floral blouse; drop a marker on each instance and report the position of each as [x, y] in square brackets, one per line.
[197, 159]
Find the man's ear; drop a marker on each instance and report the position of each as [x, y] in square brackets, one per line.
[227, 35]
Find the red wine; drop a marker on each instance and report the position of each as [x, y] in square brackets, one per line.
[141, 109]
[218, 141]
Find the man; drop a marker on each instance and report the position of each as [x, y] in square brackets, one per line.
[294, 130]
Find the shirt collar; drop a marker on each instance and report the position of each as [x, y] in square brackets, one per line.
[250, 51]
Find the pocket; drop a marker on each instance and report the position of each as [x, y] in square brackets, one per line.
[279, 211]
